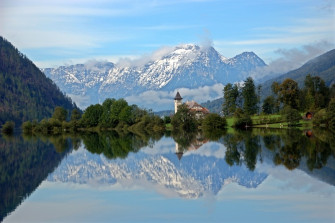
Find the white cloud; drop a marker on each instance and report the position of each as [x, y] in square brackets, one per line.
[290, 59]
[144, 59]
[163, 100]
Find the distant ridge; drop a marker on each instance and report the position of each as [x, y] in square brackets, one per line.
[26, 93]
[322, 66]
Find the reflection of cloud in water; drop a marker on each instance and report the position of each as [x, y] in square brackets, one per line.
[295, 180]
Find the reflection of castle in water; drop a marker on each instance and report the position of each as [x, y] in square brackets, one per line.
[194, 145]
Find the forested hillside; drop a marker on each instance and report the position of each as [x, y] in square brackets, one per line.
[322, 66]
[26, 93]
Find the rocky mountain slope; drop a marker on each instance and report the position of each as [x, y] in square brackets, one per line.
[188, 66]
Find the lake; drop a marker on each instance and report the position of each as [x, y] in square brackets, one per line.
[247, 176]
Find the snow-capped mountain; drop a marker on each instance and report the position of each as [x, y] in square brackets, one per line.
[185, 66]
[191, 177]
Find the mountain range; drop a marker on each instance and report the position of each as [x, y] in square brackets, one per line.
[184, 66]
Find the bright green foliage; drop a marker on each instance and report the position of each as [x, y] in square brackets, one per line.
[184, 119]
[230, 94]
[269, 105]
[213, 122]
[91, 116]
[8, 127]
[249, 97]
[126, 115]
[291, 115]
[289, 93]
[106, 119]
[115, 111]
[59, 114]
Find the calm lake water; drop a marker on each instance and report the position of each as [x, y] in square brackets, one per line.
[254, 176]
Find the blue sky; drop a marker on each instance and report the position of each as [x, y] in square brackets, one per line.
[58, 32]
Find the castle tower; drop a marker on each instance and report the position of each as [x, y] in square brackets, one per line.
[177, 102]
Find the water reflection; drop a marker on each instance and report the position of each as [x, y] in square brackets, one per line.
[186, 165]
[24, 164]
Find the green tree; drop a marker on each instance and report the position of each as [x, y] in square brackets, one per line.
[27, 127]
[291, 115]
[213, 122]
[106, 119]
[91, 115]
[75, 115]
[241, 119]
[249, 97]
[269, 105]
[8, 128]
[116, 109]
[59, 114]
[230, 95]
[316, 93]
[167, 119]
[184, 119]
[289, 93]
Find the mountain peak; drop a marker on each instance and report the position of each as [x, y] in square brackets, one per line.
[183, 66]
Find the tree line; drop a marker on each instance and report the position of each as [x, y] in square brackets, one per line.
[243, 100]
[111, 114]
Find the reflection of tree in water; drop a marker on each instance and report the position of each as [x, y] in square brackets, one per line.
[291, 145]
[233, 156]
[288, 147]
[188, 141]
[242, 144]
[290, 153]
[114, 145]
[25, 163]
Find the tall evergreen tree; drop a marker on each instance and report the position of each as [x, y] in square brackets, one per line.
[249, 97]
[231, 94]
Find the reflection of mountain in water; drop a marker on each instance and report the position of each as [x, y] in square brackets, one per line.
[192, 177]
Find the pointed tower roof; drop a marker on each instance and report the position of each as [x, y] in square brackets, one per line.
[178, 97]
[179, 155]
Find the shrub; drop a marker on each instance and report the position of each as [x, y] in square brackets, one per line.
[27, 127]
[291, 116]
[8, 127]
[213, 121]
